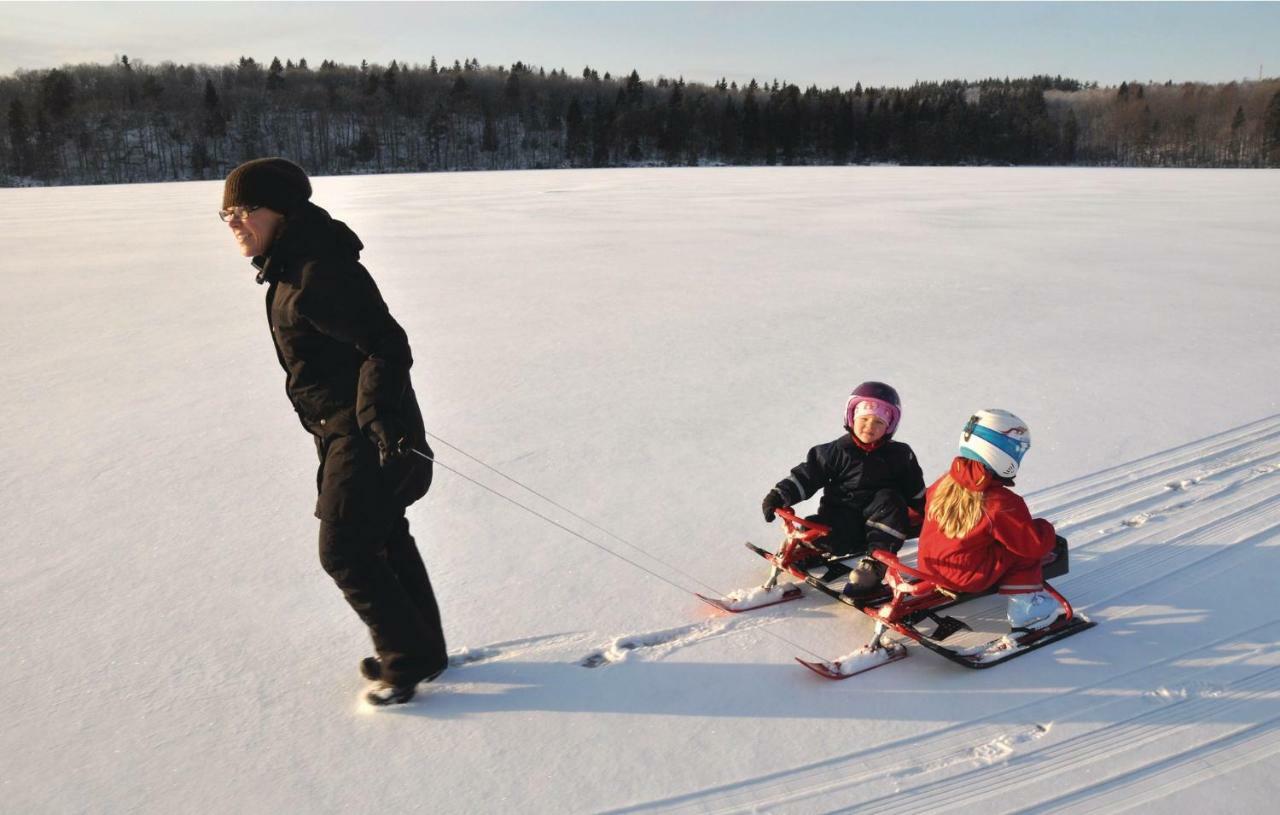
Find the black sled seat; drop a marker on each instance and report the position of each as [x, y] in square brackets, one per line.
[1056, 563]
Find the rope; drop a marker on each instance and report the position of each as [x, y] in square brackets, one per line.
[579, 535]
[568, 511]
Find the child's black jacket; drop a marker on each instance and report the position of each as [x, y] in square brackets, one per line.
[850, 476]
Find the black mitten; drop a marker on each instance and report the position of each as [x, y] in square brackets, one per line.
[772, 503]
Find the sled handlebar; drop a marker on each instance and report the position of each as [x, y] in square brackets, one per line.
[808, 530]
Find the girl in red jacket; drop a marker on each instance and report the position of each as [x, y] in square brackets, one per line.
[978, 533]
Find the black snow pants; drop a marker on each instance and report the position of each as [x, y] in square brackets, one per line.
[378, 568]
[880, 521]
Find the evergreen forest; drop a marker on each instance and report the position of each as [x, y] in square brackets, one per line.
[133, 122]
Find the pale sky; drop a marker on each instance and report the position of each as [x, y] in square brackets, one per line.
[827, 44]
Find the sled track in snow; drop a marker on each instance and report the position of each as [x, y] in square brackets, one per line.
[1164, 555]
[1231, 752]
[1110, 728]
[1113, 754]
[1164, 467]
[1082, 503]
[1141, 532]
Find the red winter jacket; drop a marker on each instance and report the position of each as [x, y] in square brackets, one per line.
[1007, 541]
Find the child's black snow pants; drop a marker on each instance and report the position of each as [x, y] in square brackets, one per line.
[879, 523]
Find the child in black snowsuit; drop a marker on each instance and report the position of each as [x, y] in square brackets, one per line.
[868, 483]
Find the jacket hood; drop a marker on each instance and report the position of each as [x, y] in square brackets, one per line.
[307, 232]
[972, 475]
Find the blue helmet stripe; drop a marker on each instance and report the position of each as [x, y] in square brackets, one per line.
[1010, 446]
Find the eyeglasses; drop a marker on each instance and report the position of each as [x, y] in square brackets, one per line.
[239, 213]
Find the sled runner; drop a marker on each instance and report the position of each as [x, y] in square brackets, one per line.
[910, 606]
[912, 611]
[915, 602]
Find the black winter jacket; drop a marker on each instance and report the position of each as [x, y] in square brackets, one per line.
[347, 364]
[849, 476]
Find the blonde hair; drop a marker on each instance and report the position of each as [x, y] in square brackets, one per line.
[955, 509]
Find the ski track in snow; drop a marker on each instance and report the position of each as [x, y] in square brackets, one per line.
[960, 765]
[1140, 533]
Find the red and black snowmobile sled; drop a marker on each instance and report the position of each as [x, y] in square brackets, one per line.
[909, 607]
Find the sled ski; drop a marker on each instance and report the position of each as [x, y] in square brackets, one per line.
[910, 606]
[917, 597]
[859, 662]
[755, 598]
[797, 547]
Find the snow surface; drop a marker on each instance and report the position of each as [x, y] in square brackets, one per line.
[651, 349]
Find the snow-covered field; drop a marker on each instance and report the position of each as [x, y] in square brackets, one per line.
[651, 349]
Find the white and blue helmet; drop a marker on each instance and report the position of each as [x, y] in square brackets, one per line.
[998, 439]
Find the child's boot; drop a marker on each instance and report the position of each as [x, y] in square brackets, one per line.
[866, 580]
[1033, 611]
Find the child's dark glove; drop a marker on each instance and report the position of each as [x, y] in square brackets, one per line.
[772, 503]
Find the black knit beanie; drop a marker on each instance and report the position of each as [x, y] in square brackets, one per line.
[275, 183]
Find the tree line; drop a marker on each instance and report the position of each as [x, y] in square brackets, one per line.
[128, 121]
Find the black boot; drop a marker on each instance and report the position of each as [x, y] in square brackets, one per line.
[371, 669]
[866, 580]
[384, 693]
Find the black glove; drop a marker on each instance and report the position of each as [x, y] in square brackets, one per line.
[391, 442]
[772, 503]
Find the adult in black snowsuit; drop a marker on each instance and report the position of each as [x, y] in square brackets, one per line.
[347, 364]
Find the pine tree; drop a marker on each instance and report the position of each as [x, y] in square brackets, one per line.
[634, 89]
[57, 93]
[389, 80]
[603, 136]
[1070, 135]
[575, 134]
[275, 75]
[1271, 133]
[19, 139]
[750, 124]
[214, 123]
[489, 134]
[46, 148]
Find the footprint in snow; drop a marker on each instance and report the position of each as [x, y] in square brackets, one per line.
[484, 653]
[1137, 520]
[620, 648]
[469, 655]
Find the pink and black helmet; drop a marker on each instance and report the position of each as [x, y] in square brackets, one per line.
[877, 398]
